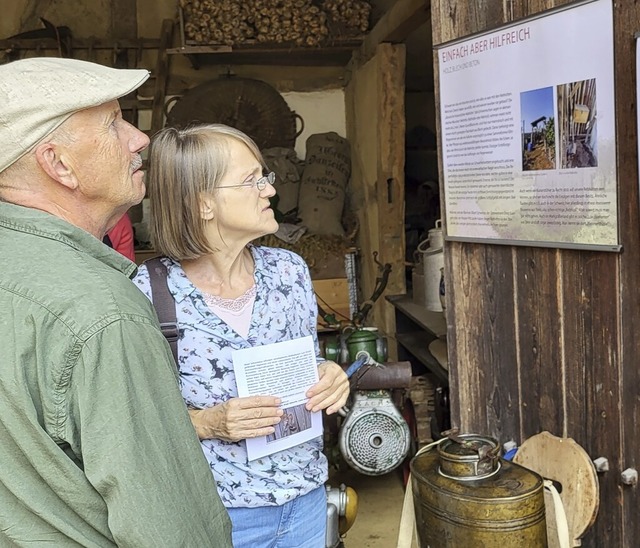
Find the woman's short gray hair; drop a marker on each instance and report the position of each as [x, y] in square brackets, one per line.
[183, 164]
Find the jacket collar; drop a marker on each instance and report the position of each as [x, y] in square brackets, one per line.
[45, 225]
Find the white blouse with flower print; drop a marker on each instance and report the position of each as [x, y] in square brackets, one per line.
[285, 308]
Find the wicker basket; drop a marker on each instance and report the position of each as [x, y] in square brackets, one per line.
[252, 106]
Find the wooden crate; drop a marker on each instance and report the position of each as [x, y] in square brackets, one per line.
[333, 297]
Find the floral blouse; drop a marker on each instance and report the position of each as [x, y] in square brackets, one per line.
[285, 308]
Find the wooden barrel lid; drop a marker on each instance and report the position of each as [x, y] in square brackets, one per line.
[564, 462]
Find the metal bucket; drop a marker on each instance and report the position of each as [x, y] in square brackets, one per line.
[465, 495]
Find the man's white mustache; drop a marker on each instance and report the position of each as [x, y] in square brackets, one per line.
[137, 163]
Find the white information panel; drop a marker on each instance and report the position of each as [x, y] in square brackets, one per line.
[528, 131]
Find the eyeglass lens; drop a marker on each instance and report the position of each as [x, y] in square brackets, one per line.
[268, 178]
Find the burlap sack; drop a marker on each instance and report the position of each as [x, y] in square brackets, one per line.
[324, 181]
[287, 166]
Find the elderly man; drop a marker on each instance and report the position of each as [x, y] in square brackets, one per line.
[96, 445]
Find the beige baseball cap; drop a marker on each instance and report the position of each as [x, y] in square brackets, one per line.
[38, 94]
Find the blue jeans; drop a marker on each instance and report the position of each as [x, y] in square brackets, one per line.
[300, 523]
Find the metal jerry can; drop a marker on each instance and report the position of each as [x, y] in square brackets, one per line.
[465, 495]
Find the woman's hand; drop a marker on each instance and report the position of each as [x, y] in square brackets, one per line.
[331, 391]
[238, 418]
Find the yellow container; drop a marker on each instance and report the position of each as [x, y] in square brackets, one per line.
[465, 495]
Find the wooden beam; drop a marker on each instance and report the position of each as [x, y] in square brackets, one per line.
[161, 74]
[43, 44]
[395, 26]
[124, 25]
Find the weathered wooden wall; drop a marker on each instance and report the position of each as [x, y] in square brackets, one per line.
[544, 339]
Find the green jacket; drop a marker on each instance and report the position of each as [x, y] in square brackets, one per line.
[96, 446]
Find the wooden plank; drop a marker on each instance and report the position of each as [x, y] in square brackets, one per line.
[520, 8]
[592, 378]
[626, 23]
[452, 21]
[336, 55]
[375, 128]
[539, 342]
[390, 177]
[433, 322]
[124, 24]
[45, 44]
[161, 75]
[577, 313]
[394, 26]
[479, 288]
[361, 101]
[484, 379]
[417, 345]
[190, 50]
[500, 367]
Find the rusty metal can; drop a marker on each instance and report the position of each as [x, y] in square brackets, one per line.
[466, 495]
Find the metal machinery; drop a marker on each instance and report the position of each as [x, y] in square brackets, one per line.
[374, 437]
[466, 495]
[342, 507]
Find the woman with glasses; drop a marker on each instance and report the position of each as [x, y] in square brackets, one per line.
[209, 190]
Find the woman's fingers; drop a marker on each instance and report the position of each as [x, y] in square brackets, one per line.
[238, 418]
[252, 417]
[331, 391]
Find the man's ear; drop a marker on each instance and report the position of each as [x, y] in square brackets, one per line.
[207, 206]
[52, 161]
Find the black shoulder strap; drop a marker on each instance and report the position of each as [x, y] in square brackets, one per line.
[164, 303]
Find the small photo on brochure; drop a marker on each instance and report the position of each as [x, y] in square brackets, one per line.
[295, 419]
[578, 135]
[538, 129]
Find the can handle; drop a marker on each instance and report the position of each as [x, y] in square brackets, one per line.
[423, 245]
[484, 450]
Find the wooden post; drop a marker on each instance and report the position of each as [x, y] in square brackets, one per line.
[161, 75]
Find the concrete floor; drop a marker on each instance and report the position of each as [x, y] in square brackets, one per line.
[380, 501]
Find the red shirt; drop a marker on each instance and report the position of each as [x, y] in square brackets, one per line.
[121, 237]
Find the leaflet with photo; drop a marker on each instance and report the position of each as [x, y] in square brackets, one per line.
[286, 370]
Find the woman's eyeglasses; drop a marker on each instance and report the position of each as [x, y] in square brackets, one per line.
[261, 183]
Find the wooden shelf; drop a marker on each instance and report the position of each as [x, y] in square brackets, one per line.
[433, 322]
[418, 345]
[42, 44]
[336, 53]
[416, 329]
